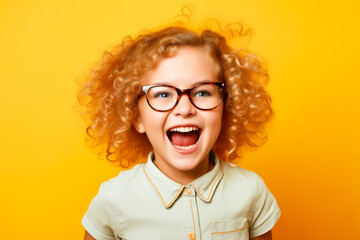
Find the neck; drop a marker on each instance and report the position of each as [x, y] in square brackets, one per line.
[185, 177]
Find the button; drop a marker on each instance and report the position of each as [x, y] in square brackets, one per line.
[191, 236]
[188, 192]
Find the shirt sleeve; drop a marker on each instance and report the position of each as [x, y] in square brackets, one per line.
[266, 212]
[98, 219]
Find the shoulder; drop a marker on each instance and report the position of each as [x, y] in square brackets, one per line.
[240, 178]
[127, 176]
[125, 179]
[233, 171]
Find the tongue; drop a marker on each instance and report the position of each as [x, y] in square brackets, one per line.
[184, 139]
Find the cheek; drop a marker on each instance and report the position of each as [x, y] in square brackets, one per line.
[151, 119]
[215, 121]
[219, 114]
[219, 118]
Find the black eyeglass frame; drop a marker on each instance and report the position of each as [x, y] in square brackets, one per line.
[180, 92]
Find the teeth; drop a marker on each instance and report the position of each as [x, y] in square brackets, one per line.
[184, 129]
[184, 147]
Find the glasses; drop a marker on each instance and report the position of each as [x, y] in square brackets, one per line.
[204, 96]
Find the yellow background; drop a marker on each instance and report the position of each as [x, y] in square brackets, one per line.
[310, 163]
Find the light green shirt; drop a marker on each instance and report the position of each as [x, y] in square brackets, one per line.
[226, 203]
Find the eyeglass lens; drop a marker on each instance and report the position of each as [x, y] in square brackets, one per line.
[204, 96]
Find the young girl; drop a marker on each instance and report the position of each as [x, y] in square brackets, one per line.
[190, 102]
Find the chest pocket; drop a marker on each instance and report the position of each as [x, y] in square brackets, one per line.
[230, 230]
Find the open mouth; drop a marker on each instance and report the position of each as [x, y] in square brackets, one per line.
[184, 138]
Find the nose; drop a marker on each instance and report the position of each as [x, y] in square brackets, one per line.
[184, 107]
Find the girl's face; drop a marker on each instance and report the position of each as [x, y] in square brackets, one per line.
[183, 136]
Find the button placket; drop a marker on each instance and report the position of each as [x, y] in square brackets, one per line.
[192, 218]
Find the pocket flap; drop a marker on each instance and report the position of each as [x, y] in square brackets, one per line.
[231, 229]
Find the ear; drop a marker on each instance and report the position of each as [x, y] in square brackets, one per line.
[138, 125]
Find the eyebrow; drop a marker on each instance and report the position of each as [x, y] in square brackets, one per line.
[192, 85]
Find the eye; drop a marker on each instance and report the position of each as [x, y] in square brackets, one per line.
[162, 95]
[203, 93]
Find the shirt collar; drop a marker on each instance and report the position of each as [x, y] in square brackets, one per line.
[169, 190]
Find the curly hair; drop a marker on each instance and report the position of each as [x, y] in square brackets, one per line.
[114, 87]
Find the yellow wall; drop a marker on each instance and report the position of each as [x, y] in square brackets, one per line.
[310, 163]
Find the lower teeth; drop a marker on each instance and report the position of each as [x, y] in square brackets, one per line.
[184, 147]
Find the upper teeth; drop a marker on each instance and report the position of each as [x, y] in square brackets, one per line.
[184, 129]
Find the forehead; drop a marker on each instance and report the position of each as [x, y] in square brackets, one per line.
[189, 66]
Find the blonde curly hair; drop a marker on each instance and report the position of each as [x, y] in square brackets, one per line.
[114, 87]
